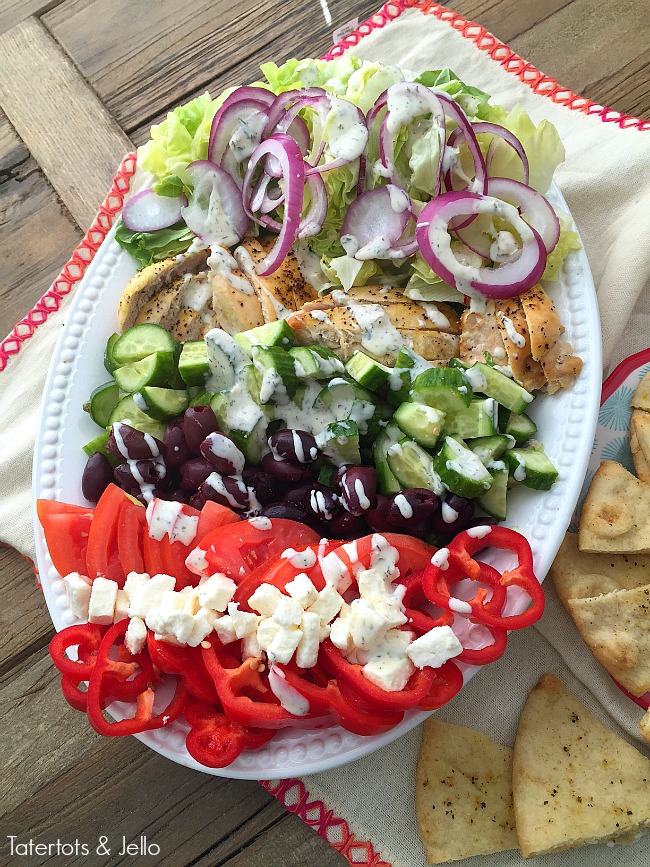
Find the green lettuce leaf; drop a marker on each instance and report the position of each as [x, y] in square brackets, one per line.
[567, 243]
[332, 75]
[148, 247]
[425, 285]
[347, 272]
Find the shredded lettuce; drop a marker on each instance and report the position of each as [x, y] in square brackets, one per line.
[425, 285]
[345, 271]
[148, 247]
[568, 242]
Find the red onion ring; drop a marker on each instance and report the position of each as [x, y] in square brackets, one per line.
[312, 222]
[533, 207]
[149, 212]
[506, 281]
[372, 226]
[483, 127]
[207, 179]
[241, 100]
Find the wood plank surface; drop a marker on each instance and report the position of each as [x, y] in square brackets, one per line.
[80, 80]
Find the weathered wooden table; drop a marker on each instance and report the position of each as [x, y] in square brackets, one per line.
[114, 67]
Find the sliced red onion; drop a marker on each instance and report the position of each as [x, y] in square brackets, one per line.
[375, 221]
[483, 127]
[510, 279]
[476, 234]
[312, 222]
[533, 207]
[242, 102]
[215, 212]
[286, 106]
[149, 212]
[261, 199]
[456, 113]
[286, 151]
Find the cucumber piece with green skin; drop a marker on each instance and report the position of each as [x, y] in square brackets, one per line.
[366, 371]
[458, 363]
[99, 445]
[493, 501]
[162, 403]
[413, 467]
[277, 333]
[152, 370]
[140, 341]
[251, 441]
[387, 482]
[326, 475]
[278, 369]
[128, 412]
[175, 379]
[109, 362]
[442, 388]
[521, 427]
[532, 468]
[102, 402]
[479, 419]
[461, 470]
[316, 362]
[226, 359]
[340, 443]
[420, 422]
[408, 366]
[347, 400]
[202, 398]
[193, 364]
[490, 448]
[492, 383]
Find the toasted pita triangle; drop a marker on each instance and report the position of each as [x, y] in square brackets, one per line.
[616, 513]
[463, 795]
[644, 726]
[574, 781]
[616, 628]
[577, 575]
[641, 397]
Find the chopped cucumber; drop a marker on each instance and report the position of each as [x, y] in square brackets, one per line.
[521, 427]
[254, 419]
[413, 467]
[272, 334]
[340, 442]
[316, 362]
[279, 381]
[366, 371]
[348, 400]
[420, 422]
[226, 359]
[399, 386]
[326, 475]
[461, 470]
[103, 401]
[202, 398]
[459, 363]
[140, 341]
[442, 388]
[532, 468]
[99, 445]
[252, 443]
[490, 448]
[491, 382]
[479, 419]
[128, 412]
[163, 403]
[493, 501]
[109, 362]
[193, 364]
[154, 369]
[175, 379]
[387, 482]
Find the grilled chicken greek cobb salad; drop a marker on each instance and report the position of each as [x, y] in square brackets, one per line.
[318, 402]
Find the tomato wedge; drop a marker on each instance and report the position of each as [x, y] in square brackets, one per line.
[102, 555]
[66, 528]
[414, 555]
[212, 516]
[131, 527]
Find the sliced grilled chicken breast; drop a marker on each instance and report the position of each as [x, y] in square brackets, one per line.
[282, 292]
[480, 333]
[516, 339]
[555, 354]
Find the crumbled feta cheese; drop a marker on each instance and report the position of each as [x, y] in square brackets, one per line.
[121, 606]
[264, 599]
[435, 647]
[283, 645]
[244, 622]
[101, 607]
[367, 626]
[168, 617]
[307, 652]
[372, 583]
[335, 572]
[135, 636]
[289, 697]
[134, 580]
[148, 594]
[328, 604]
[302, 590]
[216, 591]
[266, 632]
[202, 625]
[196, 561]
[191, 601]
[225, 630]
[390, 673]
[78, 588]
[288, 612]
[340, 630]
[251, 647]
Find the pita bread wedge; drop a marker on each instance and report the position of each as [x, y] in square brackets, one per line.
[616, 628]
[640, 443]
[616, 513]
[641, 465]
[574, 781]
[463, 795]
[577, 575]
[641, 397]
[644, 726]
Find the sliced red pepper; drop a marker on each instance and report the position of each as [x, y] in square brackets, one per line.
[132, 524]
[76, 698]
[87, 638]
[332, 660]
[66, 528]
[212, 516]
[144, 718]
[216, 741]
[186, 662]
[446, 684]
[102, 555]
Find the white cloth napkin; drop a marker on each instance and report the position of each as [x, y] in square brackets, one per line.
[606, 182]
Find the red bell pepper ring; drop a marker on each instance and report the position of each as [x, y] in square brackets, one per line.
[437, 581]
[216, 741]
[144, 718]
[446, 684]
[87, 638]
[414, 692]
[187, 662]
[76, 698]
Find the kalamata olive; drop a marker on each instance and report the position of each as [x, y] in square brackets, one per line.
[452, 515]
[359, 489]
[291, 511]
[228, 491]
[287, 471]
[198, 422]
[97, 476]
[125, 441]
[379, 518]
[133, 476]
[267, 488]
[174, 495]
[176, 450]
[347, 526]
[339, 472]
[196, 501]
[223, 454]
[294, 445]
[194, 472]
[411, 506]
[318, 499]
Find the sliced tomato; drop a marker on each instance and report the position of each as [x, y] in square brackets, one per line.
[174, 555]
[238, 548]
[66, 529]
[414, 554]
[212, 516]
[102, 556]
[154, 562]
[131, 527]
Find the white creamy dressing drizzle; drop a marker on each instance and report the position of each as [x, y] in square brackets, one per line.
[161, 517]
[347, 135]
[320, 316]
[379, 335]
[146, 488]
[318, 504]
[197, 292]
[224, 265]
[513, 335]
[475, 378]
[139, 401]
[247, 135]
[435, 315]
[479, 532]
[466, 463]
[289, 697]
[222, 446]
[399, 201]
[459, 605]
[503, 247]
[309, 264]
[260, 522]
[300, 559]
[449, 515]
[217, 227]
[520, 473]
[245, 261]
[403, 506]
[441, 559]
